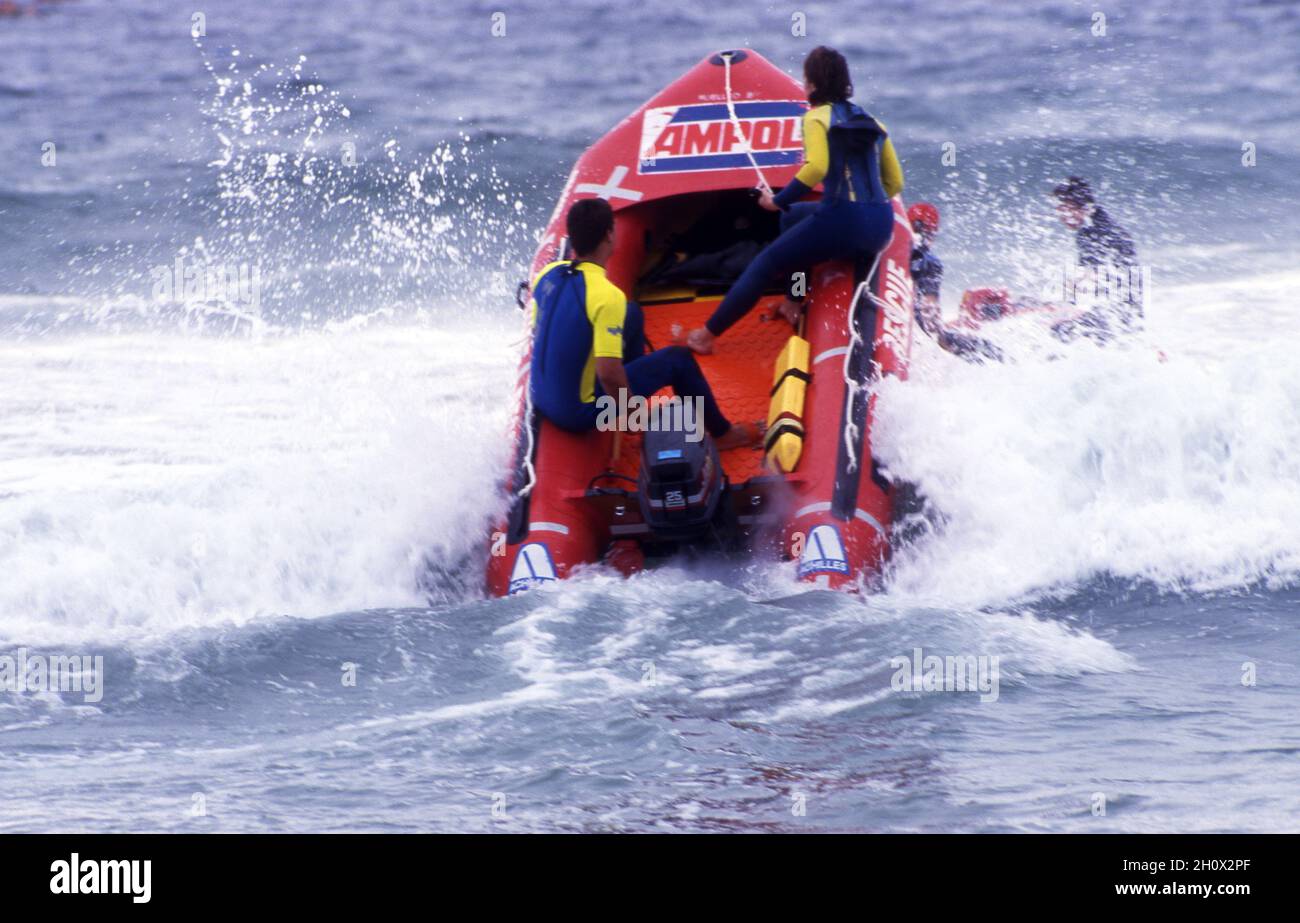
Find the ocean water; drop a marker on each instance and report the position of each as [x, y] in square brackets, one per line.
[267, 514]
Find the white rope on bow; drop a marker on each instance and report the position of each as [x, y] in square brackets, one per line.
[528, 456]
[735, 124]
[527, 421]
[851, 431]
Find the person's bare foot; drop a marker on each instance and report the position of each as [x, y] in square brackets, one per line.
[700, 340]
[791, 310]
[740, 434]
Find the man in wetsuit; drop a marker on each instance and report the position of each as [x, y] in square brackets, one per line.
[927, 276]
[580, 349]
[1107, 251]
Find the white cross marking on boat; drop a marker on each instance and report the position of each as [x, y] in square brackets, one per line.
[611, 188]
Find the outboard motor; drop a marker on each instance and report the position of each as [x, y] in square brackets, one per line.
[680, 484]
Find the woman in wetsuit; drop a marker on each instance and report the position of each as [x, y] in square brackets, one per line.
[850, 153]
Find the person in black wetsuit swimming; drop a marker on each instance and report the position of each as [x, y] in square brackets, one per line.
[927, 276]
[1107, 251]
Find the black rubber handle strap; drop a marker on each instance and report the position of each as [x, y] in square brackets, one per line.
[776, 432]
[789, 373]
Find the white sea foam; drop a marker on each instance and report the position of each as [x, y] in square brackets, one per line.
[1108, 461]
[149, 483]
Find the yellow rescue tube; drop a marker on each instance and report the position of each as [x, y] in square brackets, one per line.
[784, 441]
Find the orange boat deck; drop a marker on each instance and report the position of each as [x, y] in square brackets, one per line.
[739, 372]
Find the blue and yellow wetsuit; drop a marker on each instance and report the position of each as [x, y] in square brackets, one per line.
[850, 153]
[579, 316]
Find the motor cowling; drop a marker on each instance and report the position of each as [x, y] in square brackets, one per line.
[680, 484]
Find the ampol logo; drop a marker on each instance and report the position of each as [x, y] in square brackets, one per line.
[686, 139]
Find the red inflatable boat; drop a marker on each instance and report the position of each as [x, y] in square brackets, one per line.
[680, 174]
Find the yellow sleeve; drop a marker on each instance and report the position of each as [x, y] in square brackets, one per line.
[607, 309]
[816, 148]
[891, 171]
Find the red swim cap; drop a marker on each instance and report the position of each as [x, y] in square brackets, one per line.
[926, 214]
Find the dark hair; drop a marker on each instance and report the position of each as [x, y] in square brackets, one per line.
[1074, 191]
[588, 221]
[828, 72]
